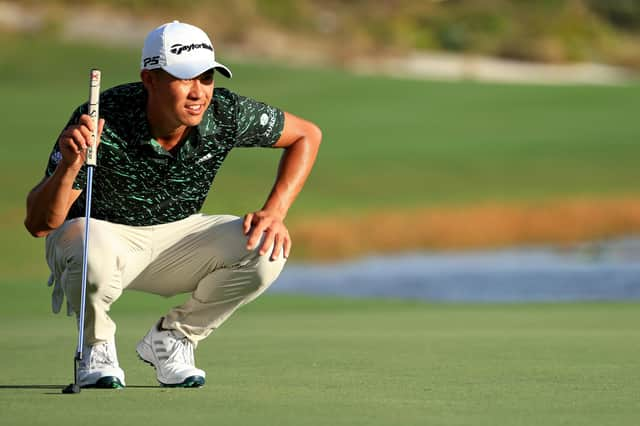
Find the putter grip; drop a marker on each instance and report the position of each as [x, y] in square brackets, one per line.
[94, 103]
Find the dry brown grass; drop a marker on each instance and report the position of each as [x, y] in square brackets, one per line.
[488, 225]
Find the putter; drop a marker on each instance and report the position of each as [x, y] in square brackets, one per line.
[90, 161]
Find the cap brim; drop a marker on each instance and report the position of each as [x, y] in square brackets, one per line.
[223, 70]
[192, 70]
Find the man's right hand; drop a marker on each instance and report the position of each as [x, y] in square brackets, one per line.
[49, 202]
[75, 139]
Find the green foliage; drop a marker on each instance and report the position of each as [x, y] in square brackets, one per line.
[286, 13]
[619, 13]
[547, 31]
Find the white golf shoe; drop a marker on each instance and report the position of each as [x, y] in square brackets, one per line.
[172, 356]
[99, 367]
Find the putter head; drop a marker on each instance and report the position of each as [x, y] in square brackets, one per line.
[72, 388]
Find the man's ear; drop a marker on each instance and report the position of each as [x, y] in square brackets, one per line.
[147, 79]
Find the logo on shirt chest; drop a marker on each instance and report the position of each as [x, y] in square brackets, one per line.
[205, 158]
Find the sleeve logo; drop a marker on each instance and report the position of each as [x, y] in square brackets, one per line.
[268, 120]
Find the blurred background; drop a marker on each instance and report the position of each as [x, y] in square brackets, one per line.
[465, 142]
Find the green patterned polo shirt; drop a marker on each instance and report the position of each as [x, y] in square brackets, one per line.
[136, 182]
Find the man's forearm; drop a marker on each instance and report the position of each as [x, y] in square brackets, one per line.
[49, 202]
[295, 165]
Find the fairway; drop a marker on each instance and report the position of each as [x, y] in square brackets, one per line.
[287, 360]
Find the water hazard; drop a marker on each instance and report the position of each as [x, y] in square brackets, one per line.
[596, 271]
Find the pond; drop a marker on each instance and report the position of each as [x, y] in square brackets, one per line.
[604, 270]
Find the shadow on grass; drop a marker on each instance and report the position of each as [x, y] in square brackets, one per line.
[31, 386]
[63, 386]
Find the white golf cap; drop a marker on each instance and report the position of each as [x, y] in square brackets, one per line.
[182, 50]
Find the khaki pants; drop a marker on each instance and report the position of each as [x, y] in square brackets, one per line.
[202, 255]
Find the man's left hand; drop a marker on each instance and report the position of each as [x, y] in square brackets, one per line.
[274, 229]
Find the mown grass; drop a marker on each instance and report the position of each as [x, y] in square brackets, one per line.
[388, 144]
[287, 360]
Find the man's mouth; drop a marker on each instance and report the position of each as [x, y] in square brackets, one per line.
[194, 109]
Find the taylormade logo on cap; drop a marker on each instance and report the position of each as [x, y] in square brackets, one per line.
[180, 49]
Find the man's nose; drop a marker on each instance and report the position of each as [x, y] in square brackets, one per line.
[196, 89]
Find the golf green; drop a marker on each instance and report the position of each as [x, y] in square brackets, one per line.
[287, 360]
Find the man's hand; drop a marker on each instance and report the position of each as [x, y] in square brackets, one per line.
[49, 202]
[75, 139]
[275, 233]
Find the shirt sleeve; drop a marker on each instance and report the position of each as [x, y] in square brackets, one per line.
[257, 124]
[56, 156]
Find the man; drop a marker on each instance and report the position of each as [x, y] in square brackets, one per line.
[162, 141]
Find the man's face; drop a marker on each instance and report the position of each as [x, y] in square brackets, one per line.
[179, 102]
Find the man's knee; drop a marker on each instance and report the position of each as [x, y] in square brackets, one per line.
[265, 269]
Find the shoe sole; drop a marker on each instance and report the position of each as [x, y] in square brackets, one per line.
[189, 382]
[106, 382]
